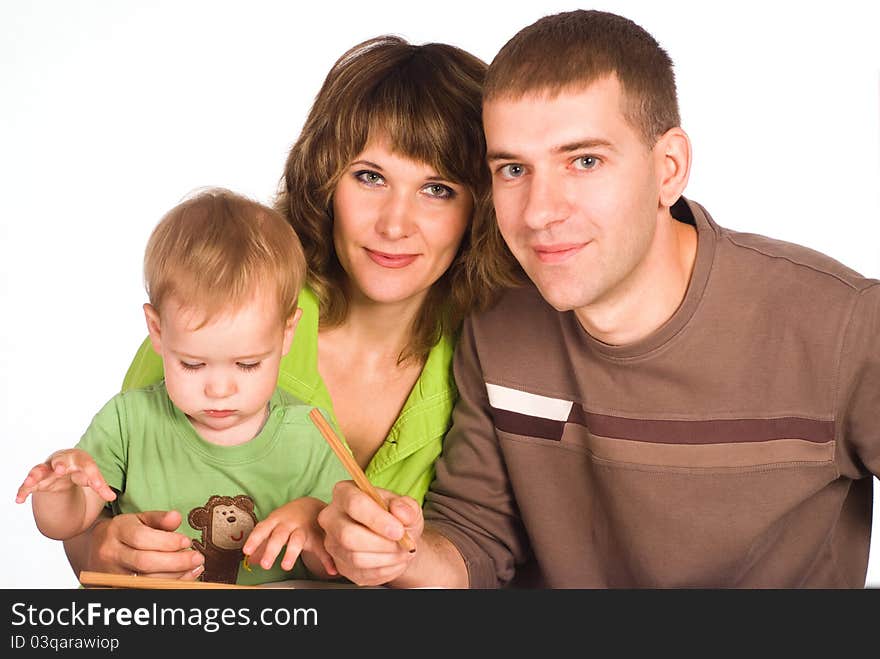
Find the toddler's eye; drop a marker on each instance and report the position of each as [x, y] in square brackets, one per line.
[248, 366]
[187, 366]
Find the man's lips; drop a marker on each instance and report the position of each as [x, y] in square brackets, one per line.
[393, 261]
[559, 252]
[218, 414]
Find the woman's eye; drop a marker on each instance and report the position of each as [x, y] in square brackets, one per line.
[439, 191]
[248, 366]
[187, 366]
[369, 177]
[586, 162]
[511, 171]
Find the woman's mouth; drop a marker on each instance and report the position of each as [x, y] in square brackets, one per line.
[393, 261]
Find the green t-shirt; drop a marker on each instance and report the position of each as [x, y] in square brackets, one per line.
[148, 451]
[404, 463]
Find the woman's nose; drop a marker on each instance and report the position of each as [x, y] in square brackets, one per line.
[395, 219]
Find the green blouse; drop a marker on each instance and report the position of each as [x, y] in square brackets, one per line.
[404, 462]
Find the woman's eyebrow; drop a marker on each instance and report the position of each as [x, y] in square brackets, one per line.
[367, 163]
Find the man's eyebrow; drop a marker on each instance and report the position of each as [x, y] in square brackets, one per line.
[582, 144]
[579, 145]
[499, 155]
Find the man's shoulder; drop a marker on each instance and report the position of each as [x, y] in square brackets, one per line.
[782, 260]
[521, 319]
[517, 306]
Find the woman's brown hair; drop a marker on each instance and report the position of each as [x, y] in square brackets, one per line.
[426, 101]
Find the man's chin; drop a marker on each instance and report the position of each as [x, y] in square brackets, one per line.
[557, 296]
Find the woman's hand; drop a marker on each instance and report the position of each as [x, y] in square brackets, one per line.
[363, 538]
[145, 544]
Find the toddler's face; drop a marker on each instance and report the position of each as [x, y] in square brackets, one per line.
[222, 375]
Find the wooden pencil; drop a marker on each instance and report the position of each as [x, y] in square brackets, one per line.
[109, 580]
[354, 469]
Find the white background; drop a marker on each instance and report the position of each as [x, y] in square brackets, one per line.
[112, 111]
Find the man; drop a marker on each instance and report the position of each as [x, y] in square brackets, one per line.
[671, 404]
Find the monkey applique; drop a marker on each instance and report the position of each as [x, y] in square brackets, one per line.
[225, 523]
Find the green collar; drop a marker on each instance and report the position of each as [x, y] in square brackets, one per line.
[416, 424]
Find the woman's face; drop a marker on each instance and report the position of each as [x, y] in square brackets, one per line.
[398, 224]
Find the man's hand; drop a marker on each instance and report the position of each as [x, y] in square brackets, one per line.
[363, 538]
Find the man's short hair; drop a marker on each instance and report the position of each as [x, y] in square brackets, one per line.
[215, 250]
[574, 49]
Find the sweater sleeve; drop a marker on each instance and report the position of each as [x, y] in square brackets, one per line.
[470, 500]
[859, 392]
[146, 368]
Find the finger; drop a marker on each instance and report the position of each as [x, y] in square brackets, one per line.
[295, 544]
[37, 474]
[136, 531]
[259, 534]
[163, 520]
[153, 563]
[189, 575]
[406, 510]
[95, 480]
[374, 577]
[324, 556]
[274, 543]
[362, 509]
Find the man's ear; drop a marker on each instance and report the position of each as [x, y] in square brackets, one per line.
[289, 329]
[673, 159]
[154, 327]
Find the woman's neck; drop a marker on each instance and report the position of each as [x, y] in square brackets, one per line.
[381, 330]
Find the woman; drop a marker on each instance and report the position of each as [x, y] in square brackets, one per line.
[384, 187]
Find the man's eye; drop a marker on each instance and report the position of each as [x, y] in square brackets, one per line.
[439, 191]
[369, 177]
[511, 171]
[187, 366]
[586, 162]
[248, 366]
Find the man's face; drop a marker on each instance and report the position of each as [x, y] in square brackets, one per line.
[576, 192]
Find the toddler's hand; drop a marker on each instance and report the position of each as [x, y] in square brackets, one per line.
[63, 470]
[294, 524]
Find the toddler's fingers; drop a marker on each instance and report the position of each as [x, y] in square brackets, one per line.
[295, 543]
[95, 480]
[23, 491]
[105, 491]
[325, 558]
[256, 537]
[274, 543]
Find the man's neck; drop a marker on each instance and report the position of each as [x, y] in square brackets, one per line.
[651, 294]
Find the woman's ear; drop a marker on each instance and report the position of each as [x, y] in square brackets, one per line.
[289, 329]
[154, 327]
[672, 154]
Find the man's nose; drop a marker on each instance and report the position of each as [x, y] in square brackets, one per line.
[546, 203]
[395, 219]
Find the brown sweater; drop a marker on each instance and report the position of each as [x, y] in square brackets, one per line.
[733, 447]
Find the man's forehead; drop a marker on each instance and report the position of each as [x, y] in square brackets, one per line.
[567, 119]
[604, 86]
